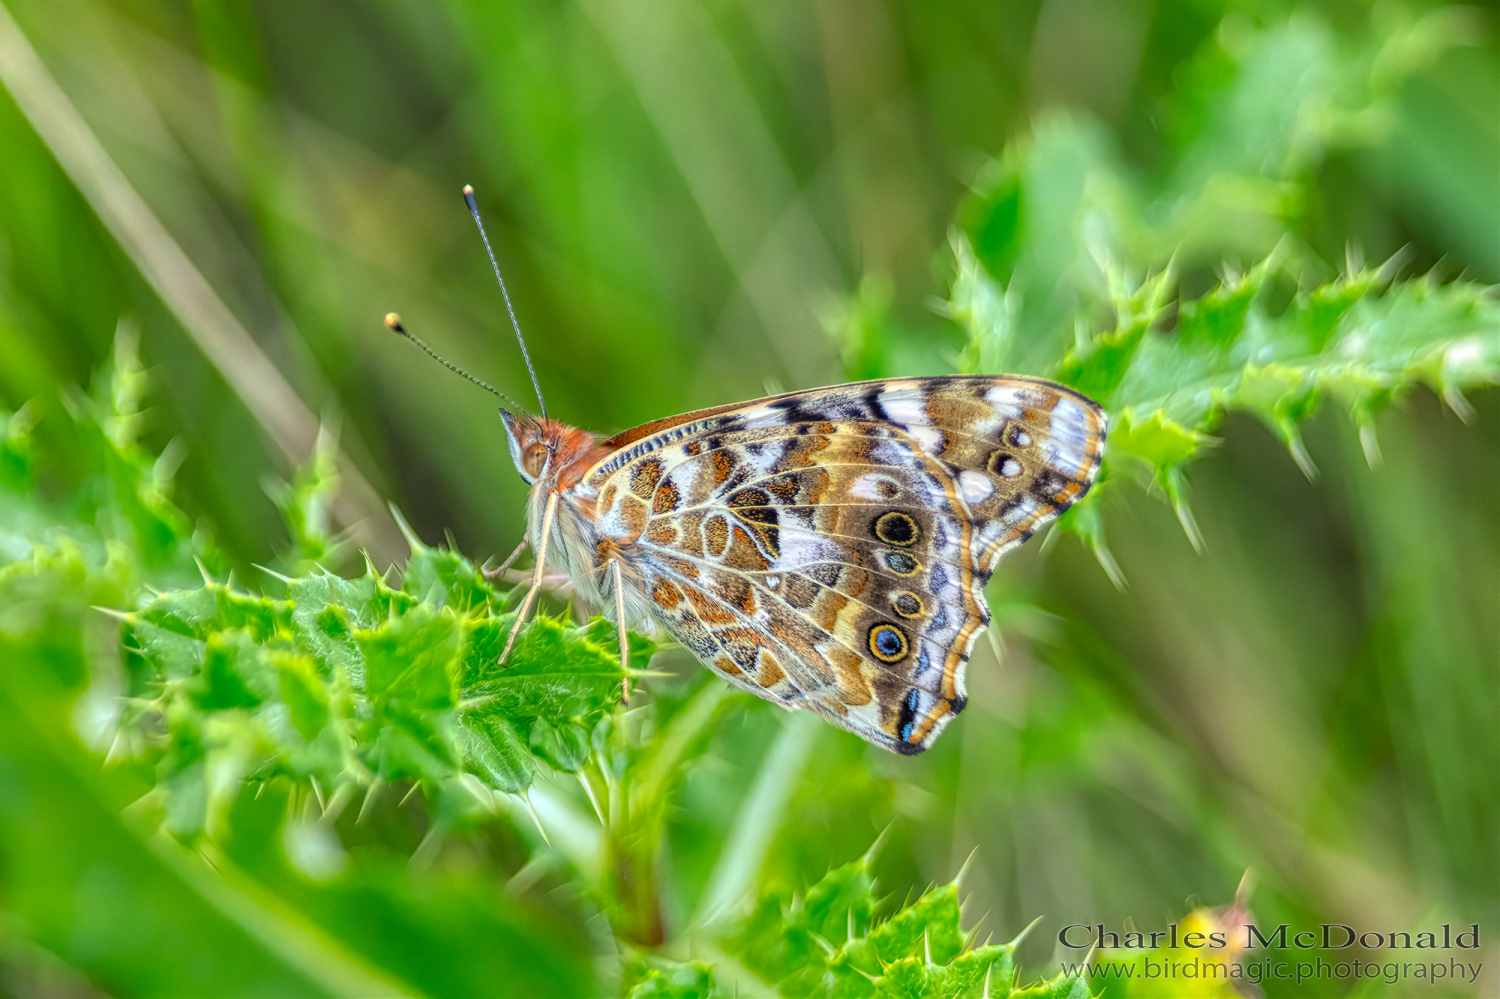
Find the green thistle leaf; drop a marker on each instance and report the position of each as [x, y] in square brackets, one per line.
[828, 944]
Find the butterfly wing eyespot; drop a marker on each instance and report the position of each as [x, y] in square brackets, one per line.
[1005, 464]
[901, 563]
[897, 528]
[907, 603]
[888, 644]
[829, 549]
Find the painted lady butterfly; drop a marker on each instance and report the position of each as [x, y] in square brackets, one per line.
[825, 549]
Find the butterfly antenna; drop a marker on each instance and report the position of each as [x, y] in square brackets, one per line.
[474, 211]
[394, 322]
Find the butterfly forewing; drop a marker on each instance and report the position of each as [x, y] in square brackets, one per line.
[828, 549]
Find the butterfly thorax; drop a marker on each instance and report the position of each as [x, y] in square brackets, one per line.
[553, 458]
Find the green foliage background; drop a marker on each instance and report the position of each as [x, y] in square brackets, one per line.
[1263, 235]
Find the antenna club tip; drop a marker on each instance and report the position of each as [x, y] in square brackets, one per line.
[393, 321]
[468, 190]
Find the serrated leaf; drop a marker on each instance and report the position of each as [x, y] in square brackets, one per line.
[232, 692]
[307, 686]
[553, 690]
[606, 634]
[402, 744]
[929, 927]
[1231, 353]
[967, 973]
[326, 611]
[215, 607]
[781, 938]
[906, 978]
[170, 654]
[1058, 230]
[1062, 987]
[233, 674]
[413, 660]
[1360, 340]
[826, 944]
[302, 691]
[306, 504]
[367, 599]
[658, 978]
[1157, 440]
[445, 579]
[492, 749]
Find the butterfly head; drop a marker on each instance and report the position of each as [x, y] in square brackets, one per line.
[545, 450]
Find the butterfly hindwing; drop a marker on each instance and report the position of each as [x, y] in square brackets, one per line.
[828, 568]
[829, 549]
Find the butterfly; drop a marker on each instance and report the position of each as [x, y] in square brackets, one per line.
[826, 549]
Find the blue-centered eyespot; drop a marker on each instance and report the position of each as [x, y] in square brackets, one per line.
[887, 643]
[901, 563]
[897, 528]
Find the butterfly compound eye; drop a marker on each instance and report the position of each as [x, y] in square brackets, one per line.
[535, 459]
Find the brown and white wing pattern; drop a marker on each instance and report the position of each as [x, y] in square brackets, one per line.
[829, 549]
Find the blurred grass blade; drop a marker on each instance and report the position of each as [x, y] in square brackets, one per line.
[203, 315]
[760, 817]
[720, 142]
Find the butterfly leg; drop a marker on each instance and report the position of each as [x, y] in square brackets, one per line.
[500, 570]
[624, 635]
[536, 575]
